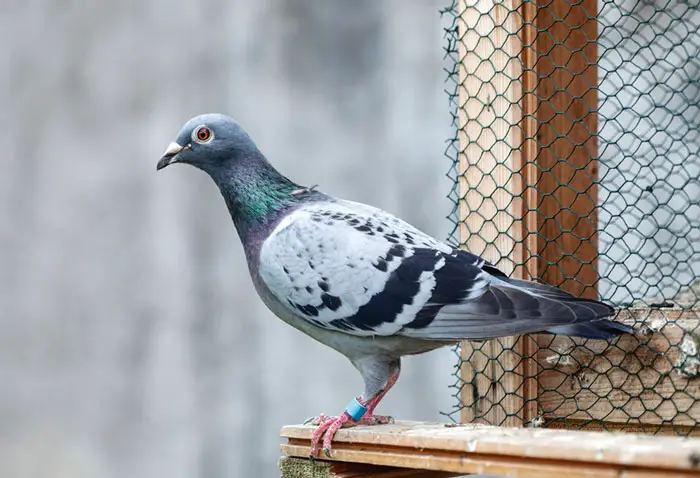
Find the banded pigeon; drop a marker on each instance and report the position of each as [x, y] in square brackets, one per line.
[362, 281]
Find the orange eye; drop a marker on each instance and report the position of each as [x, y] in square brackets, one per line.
[202, 134]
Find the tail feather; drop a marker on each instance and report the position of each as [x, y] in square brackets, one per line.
[515, 307]
[604, 329]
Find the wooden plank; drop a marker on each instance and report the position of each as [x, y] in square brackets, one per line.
[566, 84]
[506, 451]
[477, 464]
[490, 207]
[529, 149]
[292, 467]
[649, 385]
[489, 115]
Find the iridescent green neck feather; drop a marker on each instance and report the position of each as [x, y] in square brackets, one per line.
[255, 192]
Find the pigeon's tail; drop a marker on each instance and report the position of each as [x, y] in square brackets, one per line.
[490, 304]
[598, 329]
[596, 323]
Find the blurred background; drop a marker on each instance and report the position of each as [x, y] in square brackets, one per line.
[132, 343]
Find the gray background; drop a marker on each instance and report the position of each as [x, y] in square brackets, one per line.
[131, 341]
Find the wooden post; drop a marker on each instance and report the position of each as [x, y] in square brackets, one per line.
[498, 382]
[565, 76]
[528, 172]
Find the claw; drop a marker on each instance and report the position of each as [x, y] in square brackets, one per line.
[319, 420]
[309, 421]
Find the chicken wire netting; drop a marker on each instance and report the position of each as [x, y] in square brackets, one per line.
[576, 161]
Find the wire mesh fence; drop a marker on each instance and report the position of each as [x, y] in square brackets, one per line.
[576, 162]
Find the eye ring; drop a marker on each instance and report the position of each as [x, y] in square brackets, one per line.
[202, 134]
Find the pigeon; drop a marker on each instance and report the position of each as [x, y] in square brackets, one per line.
[362, 281]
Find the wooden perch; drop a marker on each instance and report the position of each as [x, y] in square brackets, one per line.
[304, 468]
[522, 452]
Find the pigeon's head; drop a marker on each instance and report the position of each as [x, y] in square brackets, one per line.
[209, 142]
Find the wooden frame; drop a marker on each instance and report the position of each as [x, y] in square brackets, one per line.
[528, 196]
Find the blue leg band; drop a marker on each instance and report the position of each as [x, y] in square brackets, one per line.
[355, 409]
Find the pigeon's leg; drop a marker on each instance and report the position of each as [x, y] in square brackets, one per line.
[369, 417]
[379, 376]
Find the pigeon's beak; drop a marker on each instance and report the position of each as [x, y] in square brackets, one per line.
[169, 156]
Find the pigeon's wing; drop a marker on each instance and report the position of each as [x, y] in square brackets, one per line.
[350, 267]
[353, 268]
[509, 307]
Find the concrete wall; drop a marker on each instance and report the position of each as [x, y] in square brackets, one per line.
[131, 341]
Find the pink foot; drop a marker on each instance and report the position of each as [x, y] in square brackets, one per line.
[327, 426]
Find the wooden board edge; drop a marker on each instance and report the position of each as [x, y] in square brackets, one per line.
[473, 463]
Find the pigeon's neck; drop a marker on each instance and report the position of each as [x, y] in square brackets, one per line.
[255, 194]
